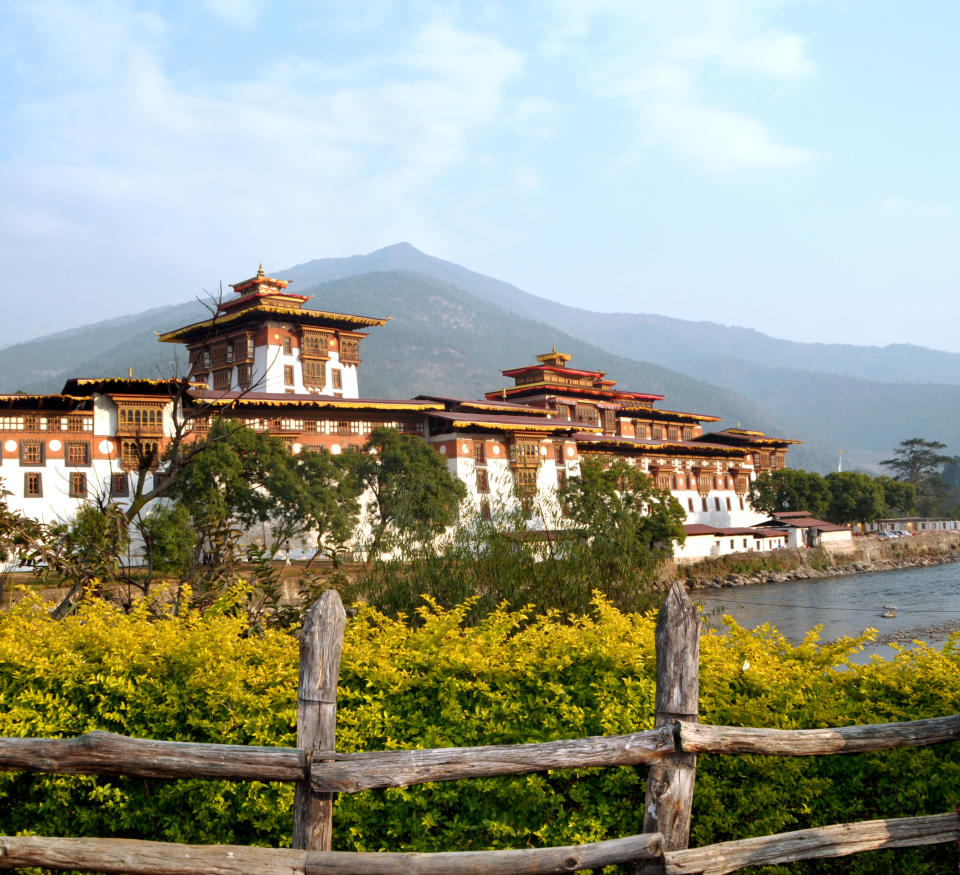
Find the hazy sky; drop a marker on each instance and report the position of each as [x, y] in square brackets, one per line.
[790, 166]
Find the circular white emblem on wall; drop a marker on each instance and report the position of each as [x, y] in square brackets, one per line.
[106, 447]
[296, 448]
[543, 451]
[335, 449]
[10, 446]
[496, 450]
[570, 452]
[466, 448]
[443, 449]
[55, 445]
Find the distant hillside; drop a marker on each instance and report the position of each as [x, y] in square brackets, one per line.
[681, 344]
[443, 340]
[103, 349]
[453, 330]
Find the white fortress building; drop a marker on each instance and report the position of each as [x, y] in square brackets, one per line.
[266, 360]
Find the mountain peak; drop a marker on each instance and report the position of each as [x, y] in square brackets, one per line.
[398, 248]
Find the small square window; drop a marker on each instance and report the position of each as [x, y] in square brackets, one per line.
[77, 454]
[78, 484]
[287, 346]
[705, 504]
[32, 485]
[31, 452]
[288, 375]
[119, 485]
[336, 378]
[716, 502]
[728, 505]
[690, 504]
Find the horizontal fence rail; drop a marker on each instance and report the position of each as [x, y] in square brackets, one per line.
[839, 840]
[158, 858]
[347, 773]
[703, 738]
[106, 753]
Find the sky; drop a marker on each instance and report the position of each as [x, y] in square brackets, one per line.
[787, 165]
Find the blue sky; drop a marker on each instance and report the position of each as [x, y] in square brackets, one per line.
[789, 166]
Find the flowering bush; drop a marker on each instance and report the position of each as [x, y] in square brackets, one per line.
[510, 678]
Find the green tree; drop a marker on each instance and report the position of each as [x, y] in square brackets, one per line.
[899, 497]
[169, 540]
[327, 498]
[412, 491]
[629, 524]
[241, 475]
[854, 498]
[919, 462]
[790, 489]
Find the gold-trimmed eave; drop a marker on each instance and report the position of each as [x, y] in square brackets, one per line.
[86, 386]
[344, 321]
[586, 443]
[320, 404]
[658, 413]
[544, 427]
[747, 441]
[481, 406]
[60, 401]
[555, 388]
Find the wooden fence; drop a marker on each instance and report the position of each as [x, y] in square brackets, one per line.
[670, 750]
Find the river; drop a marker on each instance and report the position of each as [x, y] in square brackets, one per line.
[927, 601]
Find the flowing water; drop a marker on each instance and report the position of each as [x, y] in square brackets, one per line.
[927, 602]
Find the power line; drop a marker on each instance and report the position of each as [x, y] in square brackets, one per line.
[936, 610]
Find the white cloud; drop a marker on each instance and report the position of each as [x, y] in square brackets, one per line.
[720, 139]
[238, 13]
[672, 65]
[123, 158]
[528, 179]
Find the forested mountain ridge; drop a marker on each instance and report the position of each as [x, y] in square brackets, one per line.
[448, 339]
[675, 343]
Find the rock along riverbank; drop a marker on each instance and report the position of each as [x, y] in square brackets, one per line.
[867, 556]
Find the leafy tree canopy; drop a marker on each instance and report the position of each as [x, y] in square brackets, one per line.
[916, 460]
[629, 522]
[854, 498]
[412, 490]
[899, 497]
[790, 489]
[242, 474]
[920, 463]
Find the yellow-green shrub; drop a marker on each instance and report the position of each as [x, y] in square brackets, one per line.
[509, 679]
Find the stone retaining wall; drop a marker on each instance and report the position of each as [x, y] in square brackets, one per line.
[868, 554]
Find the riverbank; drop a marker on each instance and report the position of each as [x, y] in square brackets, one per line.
[863, 555]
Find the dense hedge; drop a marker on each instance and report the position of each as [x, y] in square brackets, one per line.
[509, 679]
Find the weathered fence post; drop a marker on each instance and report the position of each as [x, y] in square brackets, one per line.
[321, 642]
[670, 782]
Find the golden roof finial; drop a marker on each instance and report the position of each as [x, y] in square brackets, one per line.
[260, 272]
[554, 347]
